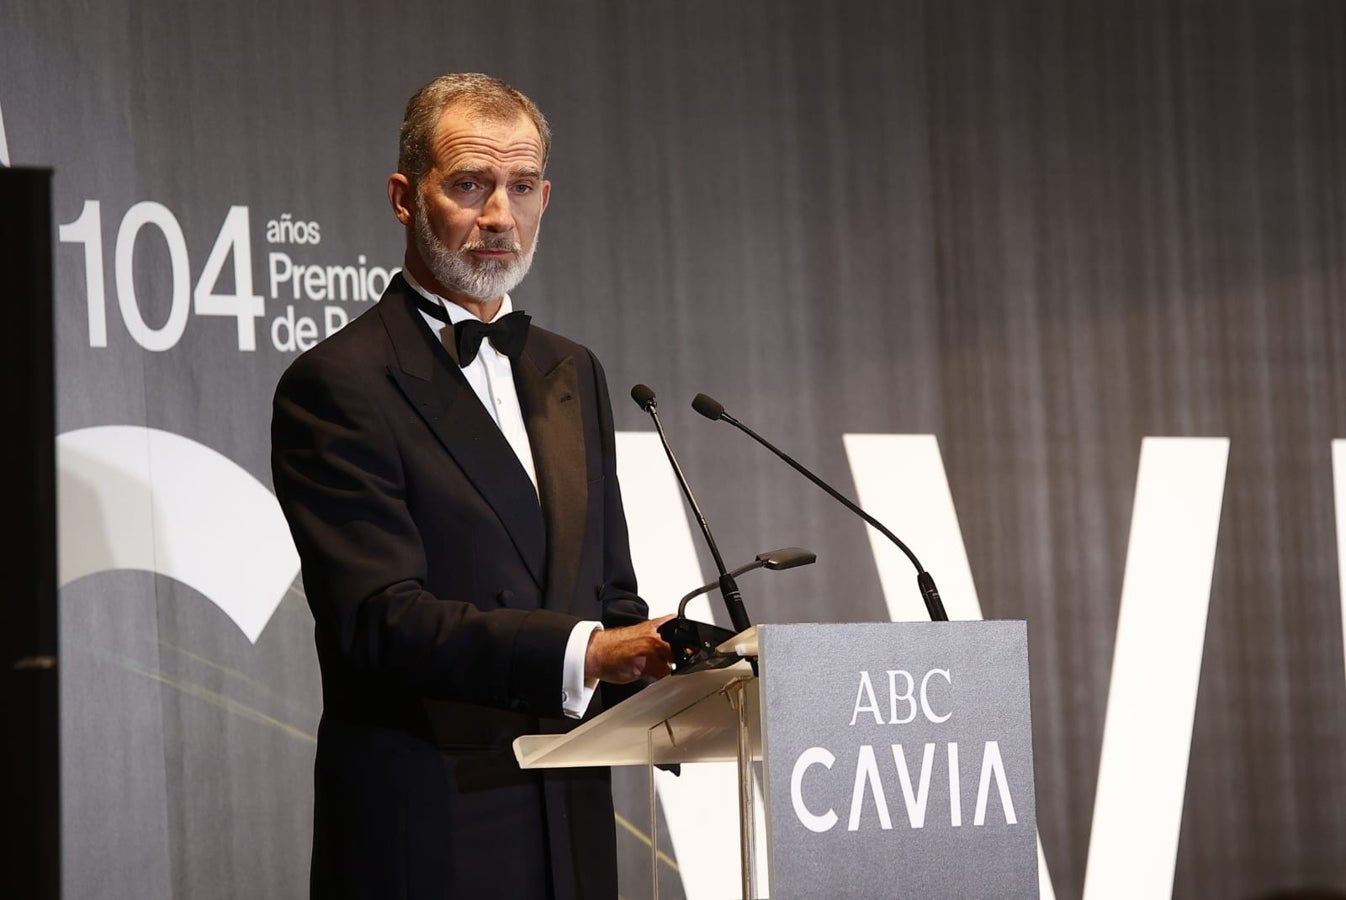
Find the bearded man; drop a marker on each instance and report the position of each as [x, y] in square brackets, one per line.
[448, 474]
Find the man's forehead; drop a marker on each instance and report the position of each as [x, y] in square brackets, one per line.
[469, 138]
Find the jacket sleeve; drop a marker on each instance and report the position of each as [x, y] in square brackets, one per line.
[620, 603]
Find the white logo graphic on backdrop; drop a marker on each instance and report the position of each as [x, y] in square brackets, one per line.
[139, 498]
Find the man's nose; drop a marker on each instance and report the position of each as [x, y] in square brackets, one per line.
[496, 214]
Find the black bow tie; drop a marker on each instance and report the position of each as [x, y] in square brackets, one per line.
[507, 334]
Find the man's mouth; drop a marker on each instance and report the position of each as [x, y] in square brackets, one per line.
[492, 249]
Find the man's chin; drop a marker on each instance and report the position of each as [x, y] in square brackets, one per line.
[484, 290]
[479, 280]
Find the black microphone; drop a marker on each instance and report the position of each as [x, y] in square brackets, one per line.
[774, 560]
[714, 410]
[733, 601]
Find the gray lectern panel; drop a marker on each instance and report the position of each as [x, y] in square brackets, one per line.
[900, 760]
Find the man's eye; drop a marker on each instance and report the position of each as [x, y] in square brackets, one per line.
[466, 185]
[523, 188]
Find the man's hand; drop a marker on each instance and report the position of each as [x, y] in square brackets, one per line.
[622, 655]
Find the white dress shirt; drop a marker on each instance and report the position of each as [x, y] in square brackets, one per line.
[492, 378]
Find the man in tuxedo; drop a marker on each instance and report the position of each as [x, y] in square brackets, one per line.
[451, 487]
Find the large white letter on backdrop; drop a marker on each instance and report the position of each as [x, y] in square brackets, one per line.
[1339, 481]
[1160, 635]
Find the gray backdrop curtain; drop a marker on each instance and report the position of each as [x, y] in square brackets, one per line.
[1038, 230]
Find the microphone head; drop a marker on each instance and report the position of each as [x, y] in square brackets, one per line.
[644, 396]
[787, 558]
[708, 406]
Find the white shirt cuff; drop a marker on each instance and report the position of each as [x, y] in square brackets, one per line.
[576, 690]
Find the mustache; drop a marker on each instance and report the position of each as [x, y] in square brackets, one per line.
[492, 244]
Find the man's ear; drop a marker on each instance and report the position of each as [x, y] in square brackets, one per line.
[402, 197]
[546, 194]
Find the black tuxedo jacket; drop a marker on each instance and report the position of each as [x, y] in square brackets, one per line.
[443, 595]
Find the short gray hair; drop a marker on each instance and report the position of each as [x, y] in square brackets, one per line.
[484, 95]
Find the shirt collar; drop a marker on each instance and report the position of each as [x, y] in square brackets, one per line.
[456, 312]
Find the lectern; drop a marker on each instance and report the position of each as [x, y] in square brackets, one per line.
[896, 757]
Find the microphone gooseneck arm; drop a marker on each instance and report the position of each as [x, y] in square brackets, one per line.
[714, 410]
[733, 600]
[787, 558]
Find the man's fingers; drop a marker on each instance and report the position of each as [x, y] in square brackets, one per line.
[624, 654]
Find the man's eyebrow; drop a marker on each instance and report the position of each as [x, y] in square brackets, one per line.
[478, 171]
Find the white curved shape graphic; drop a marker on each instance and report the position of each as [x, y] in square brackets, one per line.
[130, 497]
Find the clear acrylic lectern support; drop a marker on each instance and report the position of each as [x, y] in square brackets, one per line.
[712, 715]
[738, 699]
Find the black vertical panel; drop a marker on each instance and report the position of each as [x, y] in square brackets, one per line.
[29, 759]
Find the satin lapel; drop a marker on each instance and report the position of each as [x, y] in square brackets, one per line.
[432, 383]
[550, 397]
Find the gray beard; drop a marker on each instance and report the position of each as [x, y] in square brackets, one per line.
[458, 273]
